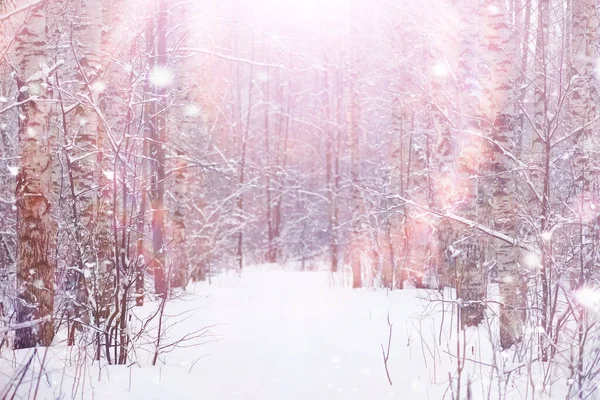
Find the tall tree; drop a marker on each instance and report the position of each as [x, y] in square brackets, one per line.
[500, 46]
[358, 234]
[35, 229]
[470, 273]
[540, 155]
[85, 171]
[157, 153]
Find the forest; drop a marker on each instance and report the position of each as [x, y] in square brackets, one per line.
[413, 185]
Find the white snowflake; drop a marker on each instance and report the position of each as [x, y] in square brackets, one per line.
[493, 10]
[191, 110]
[13, 170]
[532, 260]
[98, 87]
[547, 236]
[161, 76]
[440, 69]
[110, 175]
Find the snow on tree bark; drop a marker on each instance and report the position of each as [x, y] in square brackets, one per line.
[468, 245]
[583, 99]
[35, 239]
[358, 235]
[512, 291]
[540, 162]
[157, 154]
[84, 125]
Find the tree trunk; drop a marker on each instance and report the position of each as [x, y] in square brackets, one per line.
[35, 239]
[85, 170]
[157, 153]
[470, 273]
[358, 239]
[540, 156]
[180, 273]
[503, 186]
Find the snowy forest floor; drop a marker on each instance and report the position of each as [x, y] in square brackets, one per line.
[284, 334]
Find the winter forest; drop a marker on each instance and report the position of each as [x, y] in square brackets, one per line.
[294, 199]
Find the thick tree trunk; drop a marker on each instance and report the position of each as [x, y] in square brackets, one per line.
[470, 273]
[35, 239]
[503, 187]
[582, 115]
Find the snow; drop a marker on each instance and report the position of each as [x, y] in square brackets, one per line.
[160, 76]
[98, 87]
[532, 260]
[440, 69]
[277, 333]
[191, 110]
[110, 175]
[13, 170]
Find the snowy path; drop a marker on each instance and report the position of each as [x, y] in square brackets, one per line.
[277, 335]
[290, 335]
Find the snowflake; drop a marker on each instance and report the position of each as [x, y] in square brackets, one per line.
[191, 110]
[161, 76]
[532, 260]
[13, 170]
[440, 69]
[492, 10]
[98, 87]
[110, 175]
[547, 236]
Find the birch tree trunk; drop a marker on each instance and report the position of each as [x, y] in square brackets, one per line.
[84, 125]
[512, 293]
[331, 173]
[582, 113]
[540, 156]
[357, 241]
[469, 255]
[157, 153]
[35, 240]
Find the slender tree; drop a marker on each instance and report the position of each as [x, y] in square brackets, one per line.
[157, 153]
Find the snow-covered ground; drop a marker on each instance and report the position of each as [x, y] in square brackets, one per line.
[284, 334]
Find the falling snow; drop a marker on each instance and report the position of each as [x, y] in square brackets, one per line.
[161, 77]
